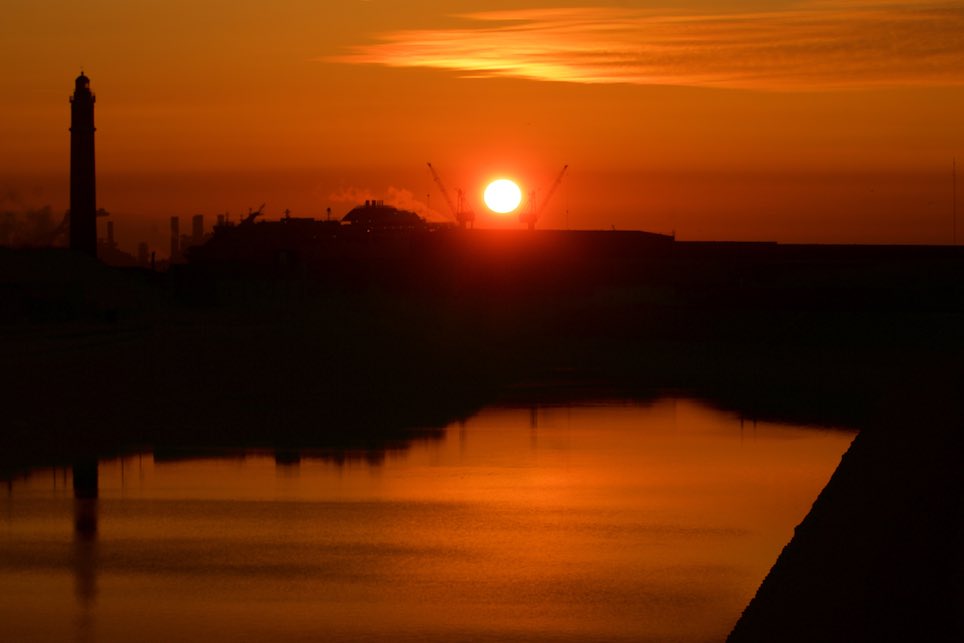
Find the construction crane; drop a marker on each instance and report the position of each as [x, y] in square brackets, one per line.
[534, 210]
[253, 214]
[464, 217]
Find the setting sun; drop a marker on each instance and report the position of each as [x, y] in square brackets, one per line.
[502, 196]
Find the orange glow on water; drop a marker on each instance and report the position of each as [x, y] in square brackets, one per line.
[563, 524]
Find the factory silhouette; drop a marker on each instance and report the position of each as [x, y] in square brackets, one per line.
[381, 245]
[374, 238]
[374, 231]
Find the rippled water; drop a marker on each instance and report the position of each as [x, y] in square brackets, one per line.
[610, 522]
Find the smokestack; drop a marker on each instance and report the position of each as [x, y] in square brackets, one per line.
[83, 199]
[175, 237]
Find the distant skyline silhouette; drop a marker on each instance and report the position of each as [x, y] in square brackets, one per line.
[753, 133]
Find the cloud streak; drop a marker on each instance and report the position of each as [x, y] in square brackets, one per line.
[814, 46]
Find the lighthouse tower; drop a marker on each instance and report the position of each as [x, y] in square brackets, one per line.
[83, 201]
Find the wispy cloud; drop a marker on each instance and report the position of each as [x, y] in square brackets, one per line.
[816, 45]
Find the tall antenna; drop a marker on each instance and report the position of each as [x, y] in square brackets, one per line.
[954, 199]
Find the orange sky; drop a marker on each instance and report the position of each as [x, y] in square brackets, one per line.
[814, 121]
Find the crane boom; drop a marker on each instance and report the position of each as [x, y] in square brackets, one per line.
[462, 215]
[445, 193]
[534, 211]
[552, 190]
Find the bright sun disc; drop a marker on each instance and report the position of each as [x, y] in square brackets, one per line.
[502, 196]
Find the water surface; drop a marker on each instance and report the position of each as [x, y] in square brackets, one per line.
[610, 522]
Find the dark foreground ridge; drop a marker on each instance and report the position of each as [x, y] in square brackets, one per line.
[392, 334]
[878, 558]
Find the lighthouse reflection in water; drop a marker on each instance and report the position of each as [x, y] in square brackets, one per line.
[609, 522]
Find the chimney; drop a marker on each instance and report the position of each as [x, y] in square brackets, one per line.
[83, 202]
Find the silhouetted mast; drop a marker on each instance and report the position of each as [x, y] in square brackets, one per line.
[535, 210]
[954, 198]
[461, 214]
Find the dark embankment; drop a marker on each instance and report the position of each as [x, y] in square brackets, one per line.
[364, 351]
[878, 558]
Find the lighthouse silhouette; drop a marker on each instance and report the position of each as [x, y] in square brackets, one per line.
[83, 198]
